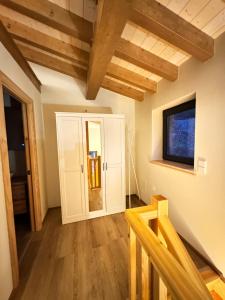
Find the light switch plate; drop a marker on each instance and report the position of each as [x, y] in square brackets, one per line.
[202, 166]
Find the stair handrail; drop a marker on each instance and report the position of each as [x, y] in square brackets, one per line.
[167, 256]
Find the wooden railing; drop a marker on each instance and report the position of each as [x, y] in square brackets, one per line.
[166, 270]
[94, 171]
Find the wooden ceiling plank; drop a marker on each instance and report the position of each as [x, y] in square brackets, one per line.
[51, 62]
[53, 15]
[66, 68]
[161, 21]
[12, 48]
[35, 38]
[111, 19]
[45, 42]
[122, 89]
[146, 60]
[131, 77]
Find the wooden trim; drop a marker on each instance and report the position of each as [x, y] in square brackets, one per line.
[175, 166]
[45, 42]
[20, 95]
[34, 166]
[12, 48]
[53, 15]
[158, 19]
[122, 89]
[28, 166]
[146, 60]
[8, 192]
[111, 20]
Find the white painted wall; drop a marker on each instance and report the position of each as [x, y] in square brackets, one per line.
[196, 203]
[9, 67]
[61, 89]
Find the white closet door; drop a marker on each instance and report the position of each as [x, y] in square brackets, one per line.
[115, 164]
[69, 134]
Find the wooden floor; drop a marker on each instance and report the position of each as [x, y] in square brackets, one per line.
[83, 260]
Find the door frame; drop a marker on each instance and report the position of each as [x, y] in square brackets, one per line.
[28, 102]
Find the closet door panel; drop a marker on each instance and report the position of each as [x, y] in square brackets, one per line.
[70, 143]
[114, 190]
[69, 135]
[74, 205]
[115, 158]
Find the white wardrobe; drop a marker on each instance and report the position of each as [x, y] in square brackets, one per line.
[91, 155]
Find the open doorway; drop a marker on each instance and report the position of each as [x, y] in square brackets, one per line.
[19, 165]
[27, 186]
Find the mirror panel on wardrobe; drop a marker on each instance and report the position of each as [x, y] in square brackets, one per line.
[94, 153]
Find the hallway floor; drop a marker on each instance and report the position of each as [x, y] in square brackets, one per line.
[83, 260]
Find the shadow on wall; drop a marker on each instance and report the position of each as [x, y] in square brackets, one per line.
[186, 228]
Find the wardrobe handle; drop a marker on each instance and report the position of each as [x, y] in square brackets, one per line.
[82, 168]
[106, 166]
[103, 166]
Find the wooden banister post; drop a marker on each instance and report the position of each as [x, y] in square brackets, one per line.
[161, 203]
[158, 291]
[133, 265]
[145, 273]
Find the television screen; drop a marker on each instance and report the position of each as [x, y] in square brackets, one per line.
[179, 133]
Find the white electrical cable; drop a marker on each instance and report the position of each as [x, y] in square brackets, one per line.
[129, 179]
[131, 161]
[133, 166]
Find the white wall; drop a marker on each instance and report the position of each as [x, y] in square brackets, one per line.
[9, 67]
[62, 89]
[196, 203]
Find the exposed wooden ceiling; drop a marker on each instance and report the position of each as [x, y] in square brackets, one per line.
[126, 46]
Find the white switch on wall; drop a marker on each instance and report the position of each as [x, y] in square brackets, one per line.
[202, 166]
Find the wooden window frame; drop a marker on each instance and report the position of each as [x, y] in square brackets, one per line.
[5, 82]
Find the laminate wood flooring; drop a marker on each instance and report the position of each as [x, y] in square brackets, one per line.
[83, 260]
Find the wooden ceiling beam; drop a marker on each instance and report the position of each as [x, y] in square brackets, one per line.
[45, 42]
[131, 77]
[111, 19]
[122, 89]
[32, 37]
[12, 48]
[51, 62]
[146, 60]
[69, 69]
[164, 23]
[53, 15]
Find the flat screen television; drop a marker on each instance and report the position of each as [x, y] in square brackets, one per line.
[179, 133]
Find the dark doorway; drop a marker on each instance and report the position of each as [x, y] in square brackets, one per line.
[17, 152]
